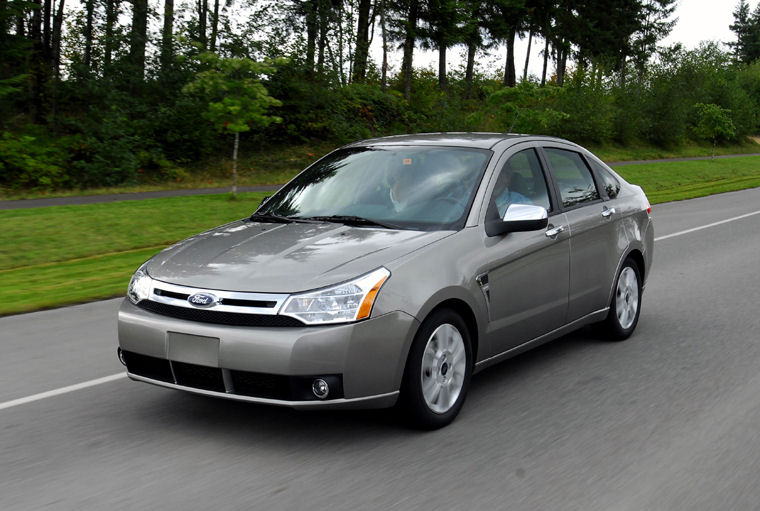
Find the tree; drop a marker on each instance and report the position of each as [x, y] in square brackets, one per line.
[713, 122]
[655, 24]
[167, 35]
[137, 39]
[441, 30]
[403, 20]
[506, 20]
[746, 26]
[472, 36]
[362, 41]
[237, 100]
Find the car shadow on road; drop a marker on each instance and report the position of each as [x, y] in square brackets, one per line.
[250, 422]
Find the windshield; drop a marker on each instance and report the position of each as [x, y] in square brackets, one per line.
[424, 188]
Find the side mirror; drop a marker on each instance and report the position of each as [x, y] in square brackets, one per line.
[518, 218]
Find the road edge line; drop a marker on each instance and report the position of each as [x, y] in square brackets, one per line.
[687, 231]
[62, 390]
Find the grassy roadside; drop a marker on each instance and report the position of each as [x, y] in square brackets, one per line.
[62, 255]
[70, 254]
[669, 181]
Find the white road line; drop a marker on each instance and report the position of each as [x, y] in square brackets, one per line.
[62, 390]
[687, 231]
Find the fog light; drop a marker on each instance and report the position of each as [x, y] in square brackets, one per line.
[320, 388]
[121, 356]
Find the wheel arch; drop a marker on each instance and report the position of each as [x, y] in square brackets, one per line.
[467, 314]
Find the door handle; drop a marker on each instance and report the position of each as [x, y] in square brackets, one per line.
[552, 233]
[606, 213]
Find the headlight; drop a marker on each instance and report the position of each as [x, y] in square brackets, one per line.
[350, 301]
[139, 286]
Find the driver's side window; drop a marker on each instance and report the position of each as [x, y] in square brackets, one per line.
[521, 181]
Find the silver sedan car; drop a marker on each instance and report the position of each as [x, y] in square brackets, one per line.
[390, 271]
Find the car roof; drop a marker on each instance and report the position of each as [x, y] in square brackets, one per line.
[451, 139]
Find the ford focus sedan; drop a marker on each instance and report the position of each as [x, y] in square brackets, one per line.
[390, 271]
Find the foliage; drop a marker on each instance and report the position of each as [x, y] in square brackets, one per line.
[235, 95]
[87, 101]
[27, 162]
[713, 122]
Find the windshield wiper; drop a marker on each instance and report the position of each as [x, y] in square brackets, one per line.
[263, 217]
[352, 220]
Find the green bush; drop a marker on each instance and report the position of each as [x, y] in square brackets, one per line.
[28, 162]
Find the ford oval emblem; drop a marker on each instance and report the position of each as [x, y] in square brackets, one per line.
[203, 300]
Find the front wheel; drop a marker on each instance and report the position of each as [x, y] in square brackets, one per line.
[626, 303]
[438, 371]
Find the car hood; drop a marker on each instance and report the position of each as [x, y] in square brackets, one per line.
[282, 258]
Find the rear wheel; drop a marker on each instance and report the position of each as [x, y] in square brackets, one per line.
[625, 305]
[438, 371]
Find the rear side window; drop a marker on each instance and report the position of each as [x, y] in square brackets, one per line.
[573, 177]
[609, 182]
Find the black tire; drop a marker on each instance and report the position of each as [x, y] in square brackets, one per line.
[625, 305]
[435, 362]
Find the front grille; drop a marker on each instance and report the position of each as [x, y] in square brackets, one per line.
[244, 383]
[199, 377]
[219, 317]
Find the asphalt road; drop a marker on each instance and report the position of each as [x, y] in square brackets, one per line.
[668, 420]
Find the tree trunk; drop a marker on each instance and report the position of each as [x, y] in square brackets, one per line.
[323, 29]
[362, 42]
[442, 82]
[311, 35]
[56, 63]
[510, 79]
[384, 67]
[46, 27]
[112, 14]
[527, 55]
[35, 65]
[472, 48]
[234, 164]
[90, 13]
[409, 40]
[56, 42]
[137, 37]
[214, 26]
[202, 23]
[546, 62]
[167, 39]
[561, 65]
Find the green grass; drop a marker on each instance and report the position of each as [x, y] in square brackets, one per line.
[63, 255]
[69, 254]
[669, 181]
[633, 152]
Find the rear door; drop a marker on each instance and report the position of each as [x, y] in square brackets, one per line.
[595, 245]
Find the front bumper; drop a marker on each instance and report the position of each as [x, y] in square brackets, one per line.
[363, 362]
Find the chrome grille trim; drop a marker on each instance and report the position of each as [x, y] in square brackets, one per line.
[277, 298]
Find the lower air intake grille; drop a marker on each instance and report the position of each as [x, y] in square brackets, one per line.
[149, 367]
[218, 317]
[199, 377]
